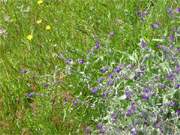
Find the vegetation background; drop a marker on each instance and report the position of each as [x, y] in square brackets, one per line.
[51, 52]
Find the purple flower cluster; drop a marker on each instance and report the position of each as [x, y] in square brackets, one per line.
[128, 94]
[104, 69]
[94, 90]
[155, 25]
[147, 93]
[142, 15]
[131, 110]
[101, 128]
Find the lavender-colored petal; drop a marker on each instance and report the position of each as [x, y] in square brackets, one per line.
[157, 125]
[118, 68]
[131, 110]
[87, 131]
[155, 25]
[142, 14]
[178, 10]
[162, 86]
[133, 131]
[94, 90]
[170, 11]
[171, 76]
[172, 38]
[177, 70]
[104, 69]
[178, 49]
[171, 104]
[75, 102]
[106, 93]
[31, 94]
[80, 61]
[101, 128]
[147, 93]
[143, 44]
[100, 80]
[177, 86]
[110, 82]
[128, 94]
[97, 46]
[178, 112]
[111, 76]
[99, 125]
[114, 117]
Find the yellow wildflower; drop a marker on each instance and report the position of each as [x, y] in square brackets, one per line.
[39, 21]
[48, 27]
[29, 37]
[39, 2]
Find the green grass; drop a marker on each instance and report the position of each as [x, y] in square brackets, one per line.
[74, 24]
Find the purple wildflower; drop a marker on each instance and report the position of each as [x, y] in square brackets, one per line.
[157, 125]
[171, 76]
[171, 46]
[178, 112]
[172, 38]
[155, 25]
[163, 48]
[87, 131]
[170, 11]
[114, 117]
[178, 49]
[110, 82]
[31, 94]
[97, 46]
[130, 66]
[177, 86]
[94, 90]
[118, 68]
[131, 110]
[142, 14]
[178, 10]
[101, 128]
[143, 44]
[147, 93]
[111, 76]
[128, 94]
[162, 86]
[100, 80]
[171, 104]
[80, 61]
[133, 131]
[105, 93]
[104, 69]
[177, 68]
[75, 102]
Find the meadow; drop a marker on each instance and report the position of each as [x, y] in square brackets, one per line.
[89, 67]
